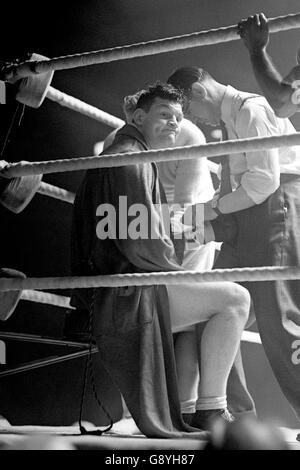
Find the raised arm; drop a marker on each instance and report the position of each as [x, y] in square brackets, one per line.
[262, 177]
[279, 92]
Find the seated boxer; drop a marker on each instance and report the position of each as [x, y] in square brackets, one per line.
[132, 326]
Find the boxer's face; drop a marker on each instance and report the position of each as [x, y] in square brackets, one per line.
[161, 124]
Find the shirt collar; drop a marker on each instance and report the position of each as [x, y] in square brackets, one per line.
[226, 105]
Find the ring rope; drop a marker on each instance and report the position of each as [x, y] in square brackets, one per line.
[46, 298]
[95, 113]
[83, 108]
[57, 193]
[212, 149]
[268, 273]
[61, 194]
[251, 337]
[67, 196]
[61, 301]
[203, 38]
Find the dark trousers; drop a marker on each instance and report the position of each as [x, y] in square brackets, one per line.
[268, 234]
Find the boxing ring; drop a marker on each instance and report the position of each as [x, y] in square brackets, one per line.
[33, 289]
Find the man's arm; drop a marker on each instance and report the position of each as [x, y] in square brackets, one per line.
[262, 177]
[279, 92]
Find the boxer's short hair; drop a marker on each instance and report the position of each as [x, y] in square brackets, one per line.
[184, 77]
[161, 90]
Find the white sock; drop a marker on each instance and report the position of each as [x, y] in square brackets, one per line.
[188, 406]
[211, 403]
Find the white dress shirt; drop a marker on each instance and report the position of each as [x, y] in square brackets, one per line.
[247, 115]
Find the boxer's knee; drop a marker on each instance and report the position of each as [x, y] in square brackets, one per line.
[237, 303]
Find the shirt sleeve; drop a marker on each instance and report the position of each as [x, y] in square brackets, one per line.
[262, 177]
[154, 249]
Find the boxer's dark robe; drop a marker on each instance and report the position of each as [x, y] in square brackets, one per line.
[131, 325]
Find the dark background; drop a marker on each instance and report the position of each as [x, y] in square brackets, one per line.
[37, 241]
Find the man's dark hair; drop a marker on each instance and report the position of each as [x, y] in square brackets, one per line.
[161, 90]
[183, 78]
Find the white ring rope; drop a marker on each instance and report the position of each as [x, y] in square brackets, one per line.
[212, 149]
[57, 193]
[203, 38]
[95, 113]
[67, 196]
[46, 298]
[83, 108]
[251, 337]
[268, 273]
[61, 301]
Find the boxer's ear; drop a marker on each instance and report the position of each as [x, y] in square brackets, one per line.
[139, 116]
[199, 90]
